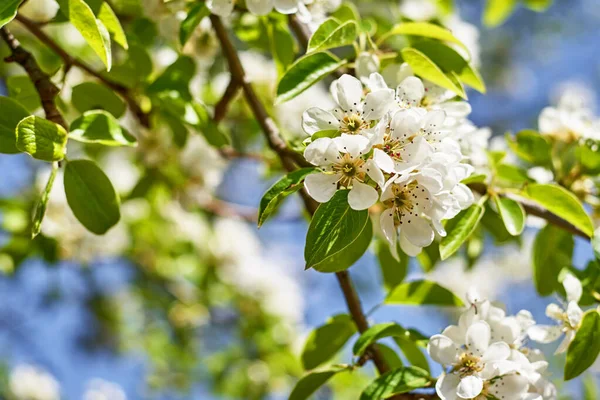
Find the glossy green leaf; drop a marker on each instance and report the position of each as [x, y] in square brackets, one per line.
[104, 12]
[196, 13]
[8, 11]
[392, 270]
[422, 292]
[423, 29]
[512, 213]
[427, 69]
[211, 131]
[40, 208]
[10, 116]
[498, 11]
[411, 350]
[93, 96]
[327, 340]
[561, 202]
[346, 12]
[91, 196]
[272, 199]
[374, 333]
[92, 29]
[552, 251]
[304, 73]
[390, 356]
[588, 156]
[511, 174]
[530, 146]
[282, 45]
[42, 139]
[585, 348]
[459, 229]
[312, 381]
[331, 34]
[100, 127]
[400, 380]
[23, 90]
[175, 77]
[335, 231]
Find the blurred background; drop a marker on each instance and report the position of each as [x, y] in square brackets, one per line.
[186, 298]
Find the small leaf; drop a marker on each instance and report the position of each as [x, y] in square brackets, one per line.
[42, 139]
[110, 20]
[10, 116]
[175, 77]
[552, 251]
[424, 293]
[392, 270]
[346, 12]
[331, 34]
[40, 209]
[390, 356]
[588, 156]
[459, 229]
[304, 73]
[423, 29]
[512, 174]
[530, 146]
[512, 213]
[498, 11]
[374, 333]
[282, 45]
[312, 381]
[21, 89]
[91, 196]
[585, 348]
[475, 178]
[208, 128]
[537, 5]
[327, 340]
[400, 380]
[272, 199]
[196, 13]
[8, 11]
[93, 96]
[561, 202]
[412, 352]
[427, 69]
[100, 127]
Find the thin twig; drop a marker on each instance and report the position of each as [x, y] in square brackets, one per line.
[223, 105]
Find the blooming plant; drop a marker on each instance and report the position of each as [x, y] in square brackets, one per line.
[139, 116]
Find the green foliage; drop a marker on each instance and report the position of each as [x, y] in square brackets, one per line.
[107, 16]
[337, 236]
[175, 77]
[512, 213]
[196, 13]
[312, 381]
[425, 30]
[22, 90]
[91, 196]
[392, 270]
[331, 34]
[8, 11]
[100, 127]
[422, 293]
[282, 44]
[585, 348]
[400, 380]
[93, 96]
[498, 11]
[42, 139]
[327, 340]
[274, 197]
[374, 333]
[531, 147]
[40, 209]
[459, 229]
[12, 113]
[548, 264]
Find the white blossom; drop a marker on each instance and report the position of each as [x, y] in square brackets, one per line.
[27, 382]
[224, 8]
[99, 389]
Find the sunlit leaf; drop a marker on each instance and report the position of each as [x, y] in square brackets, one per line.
[324, 342]
[459, 229]
[42, 139]
[585, 348]
[422, 293]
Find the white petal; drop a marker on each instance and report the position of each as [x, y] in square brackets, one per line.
[371, 168]
[478, 338]
[550, 121]
[496, 352]
[404, 124]
[365, 65]
[322, 152]
[286, 6]
[416, 151]
[417, 231]
[573, 287]
[383, 161]
[386, 221]
[544, 333]
[464, 195]
[347, 92]
[410, 92]
[316, 119]
[376, 82]
[355, 145]
[431, 180]
[362, 196]
[456, 109]
[442, 350]
[574, 313]
[222, 8]
[469, 387]
[321, 187]
[446, 387]
[456, 334]
[407, 247]
[378, 103]
[564, 345]
[259, 7]
[509, 387]
[554, 311]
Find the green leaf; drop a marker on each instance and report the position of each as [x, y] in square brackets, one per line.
[423, 29]
[304, 73]
[512, 174]
[422, 292]
[91, 196]
[498, 11]
[283, 46]
[8, 11]
[591, 391]
[392, 270]
[331, 34]
[475, 178]
[40, 209]
[552, 251]
[400, 380]
[335, 236]
[327, 340]
[346, 12]
[22, 90]
[10, 116]
[209, 129]
[374, 333]
[588, 156]
[561, 202]
[459, 229]
[42, 139]
[100, 127]
[312, 381]
[537, 5]
[596, 243]
[272, 199]
[390, 356]
[93, 96]
[196, 13]
[427, 69]
[530, 146]
[92, 29]
[512, 213]
[412, 352]
[179, 130]
[451, 63]
[107, 16]
[176, 77]
[585, 348]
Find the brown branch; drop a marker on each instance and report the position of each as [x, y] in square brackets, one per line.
[223, 105]
[300, 30]
[43, 85]
[143, 117]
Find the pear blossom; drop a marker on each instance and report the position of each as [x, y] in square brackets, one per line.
[571, 119]
[568, 319]
[343, 166]
[224, 8]
[365, 65]
[314, 12]
[355, 113]
[28, 382]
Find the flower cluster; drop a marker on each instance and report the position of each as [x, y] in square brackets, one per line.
[485, 356]
[307, 10]
[396, 146]
[28, 382]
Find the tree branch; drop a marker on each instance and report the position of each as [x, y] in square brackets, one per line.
[43, 85]
[223, 105]
[125, 92]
